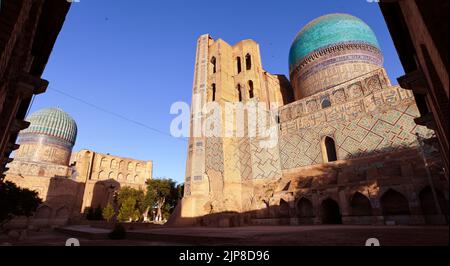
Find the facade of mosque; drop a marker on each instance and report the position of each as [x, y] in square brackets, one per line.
[347, 150]
[69, 184]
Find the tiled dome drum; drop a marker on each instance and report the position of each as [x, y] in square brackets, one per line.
[330, 50]
[49, 138]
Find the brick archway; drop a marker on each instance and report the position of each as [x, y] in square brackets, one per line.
[284, 209]
[394, 203]
[304, 208]
[360, 205]
[330, 212]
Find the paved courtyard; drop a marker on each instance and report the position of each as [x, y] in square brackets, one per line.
[255, 236]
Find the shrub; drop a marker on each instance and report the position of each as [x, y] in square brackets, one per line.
[16, 201]
[118, 232]
[108, 212]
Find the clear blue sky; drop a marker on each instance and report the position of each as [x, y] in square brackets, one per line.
[136, 58]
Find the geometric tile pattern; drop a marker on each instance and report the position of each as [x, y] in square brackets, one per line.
[214, 154]
[384, 131]
[382, 121]
[245, 160]
[256, 162]
[367, 116]
[265, 161]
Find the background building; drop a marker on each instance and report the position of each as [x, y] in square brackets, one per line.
[28, 30]
[68, 184]
[104, 174]
[347, 149]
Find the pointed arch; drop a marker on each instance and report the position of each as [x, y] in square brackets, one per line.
[113, 164]
[360, 205]
[103, 162]
[329, 153]
[394, 203]
[251, 93]
[238, 65]
[284, 208]
[331, 213]
[239, 92]
[326, 103]
[248, 61]
[304, 208]
[213, 92]
[214, 65]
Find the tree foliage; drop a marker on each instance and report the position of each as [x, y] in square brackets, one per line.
[131, 203]
[16, 201]
[163, 195]
[108, 212]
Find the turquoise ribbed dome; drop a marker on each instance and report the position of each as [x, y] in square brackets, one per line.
[52, 122]
[327, 31]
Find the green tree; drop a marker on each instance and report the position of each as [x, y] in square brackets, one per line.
[180, 191]
[132, 204]
[108, 212]
[15, 201]
[127, 210]
[163, 195]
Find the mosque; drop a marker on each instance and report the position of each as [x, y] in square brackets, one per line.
[348, 150]
[68, 183]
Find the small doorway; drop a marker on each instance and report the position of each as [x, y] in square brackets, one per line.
[331, 213]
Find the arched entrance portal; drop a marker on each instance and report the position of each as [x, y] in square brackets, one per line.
[331, 213]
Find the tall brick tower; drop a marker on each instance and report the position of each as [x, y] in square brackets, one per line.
[219, 167]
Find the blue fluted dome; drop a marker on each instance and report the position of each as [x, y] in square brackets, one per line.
[52, 122]
[329, 30]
